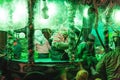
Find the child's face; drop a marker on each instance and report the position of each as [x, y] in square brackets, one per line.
[15, 43]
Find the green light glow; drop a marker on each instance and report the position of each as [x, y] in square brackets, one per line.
[13, 14]
[44, 21]
[3, 15]
[78, 18]
[4, 18]
[20, 14]
[117, 16]
[85, 12]
[52, 9]
[19, 11]
[54, 13]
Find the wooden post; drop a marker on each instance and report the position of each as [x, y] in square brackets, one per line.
[31, 4]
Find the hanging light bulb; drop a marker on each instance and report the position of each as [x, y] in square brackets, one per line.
[45, 10]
